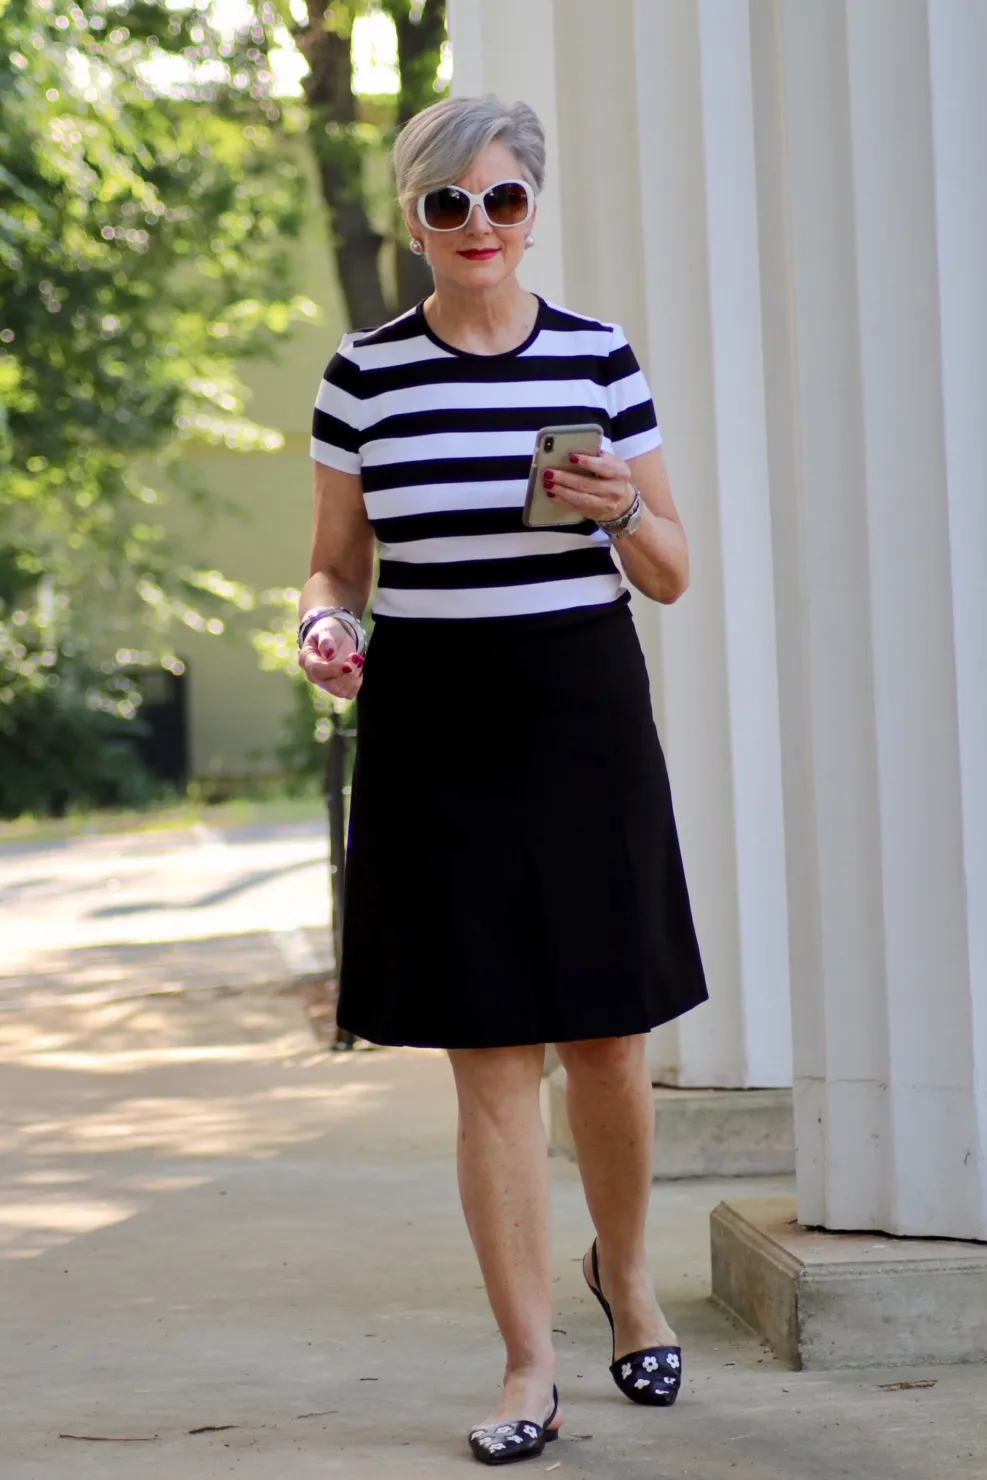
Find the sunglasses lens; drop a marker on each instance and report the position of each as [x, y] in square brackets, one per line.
[507, 204]
[446, 209]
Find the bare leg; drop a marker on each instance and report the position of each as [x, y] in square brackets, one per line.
[611, 1113]
[503, 1183]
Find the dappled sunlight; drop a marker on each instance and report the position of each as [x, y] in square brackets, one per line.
[195, 1125]
[45, 1206]
[65, 1217]
[104, 1031]
[18, 1038]
[47, 1178]
[125, 1060]
[117, 1105]
[120, 1105]
[128, 892]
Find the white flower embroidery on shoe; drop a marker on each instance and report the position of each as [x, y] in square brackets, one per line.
[626, 1370]
[503, 1428]
[531, 1431]
[673, 1361]
[650, 1364]
[642, 1382]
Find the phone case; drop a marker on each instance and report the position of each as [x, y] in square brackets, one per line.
[541, 512]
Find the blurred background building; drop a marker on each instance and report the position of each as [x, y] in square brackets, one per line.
[257, 529]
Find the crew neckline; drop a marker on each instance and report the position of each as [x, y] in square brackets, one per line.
[468, 354]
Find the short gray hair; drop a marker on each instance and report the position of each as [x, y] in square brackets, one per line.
[439, 144]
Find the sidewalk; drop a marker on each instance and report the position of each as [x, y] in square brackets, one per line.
[102, 909]
[109, 916]
[208, 1224]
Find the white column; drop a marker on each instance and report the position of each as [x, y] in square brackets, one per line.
[508, 47]
[718, 666]
[883, 128]
[958, 66]
[597, 167]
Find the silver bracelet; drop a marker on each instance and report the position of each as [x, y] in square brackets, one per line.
[341, 614]
[628, 521]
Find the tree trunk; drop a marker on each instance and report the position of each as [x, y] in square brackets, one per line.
[325, 45]
[332, 109]
[419, 52]
[357, 245]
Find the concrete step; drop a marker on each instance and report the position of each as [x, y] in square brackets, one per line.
[830, 1300]
[703, 1132]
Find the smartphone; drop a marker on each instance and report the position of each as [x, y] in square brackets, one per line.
[552, 450]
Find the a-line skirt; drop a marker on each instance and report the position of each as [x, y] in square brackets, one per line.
[513, 873]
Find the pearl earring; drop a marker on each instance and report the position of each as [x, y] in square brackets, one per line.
[416, 247]
[529, 240]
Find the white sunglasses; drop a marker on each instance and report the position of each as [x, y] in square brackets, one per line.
[508, 203]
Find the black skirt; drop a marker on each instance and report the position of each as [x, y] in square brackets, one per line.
[514, 873]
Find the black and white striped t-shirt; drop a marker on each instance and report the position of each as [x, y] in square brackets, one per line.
[443, 441]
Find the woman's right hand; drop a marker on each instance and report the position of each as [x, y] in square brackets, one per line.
[328, 659]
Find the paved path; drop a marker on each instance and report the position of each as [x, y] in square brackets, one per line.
[158, 911]
[208, 1225]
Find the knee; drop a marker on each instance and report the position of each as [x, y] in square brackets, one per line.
[603, 1058]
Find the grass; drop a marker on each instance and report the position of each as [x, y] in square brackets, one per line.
[173, 816]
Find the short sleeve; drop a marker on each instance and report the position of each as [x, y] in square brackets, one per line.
[633, 423]
[336, 418]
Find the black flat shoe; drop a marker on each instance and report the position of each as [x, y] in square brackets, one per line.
[503, 1443]
[652, 1376]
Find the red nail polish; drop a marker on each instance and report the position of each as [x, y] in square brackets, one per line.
[347, 668]
[357, 661]
[573, 457]
[553, 495]
[548, 479]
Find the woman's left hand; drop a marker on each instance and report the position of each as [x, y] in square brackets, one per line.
[599, 487]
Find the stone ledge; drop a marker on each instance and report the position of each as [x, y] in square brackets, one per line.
[832, 1300]
[703, 1132]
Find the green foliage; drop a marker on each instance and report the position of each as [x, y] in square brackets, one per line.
[313, 714]
[71, 741]
[145, 246]
[301, 749]
[149, 203]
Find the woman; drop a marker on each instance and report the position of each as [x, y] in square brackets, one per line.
[514, 876]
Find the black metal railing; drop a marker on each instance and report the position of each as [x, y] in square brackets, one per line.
[336, 791]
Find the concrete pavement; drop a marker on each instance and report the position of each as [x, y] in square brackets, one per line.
[114, 914]
[210, 1225]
